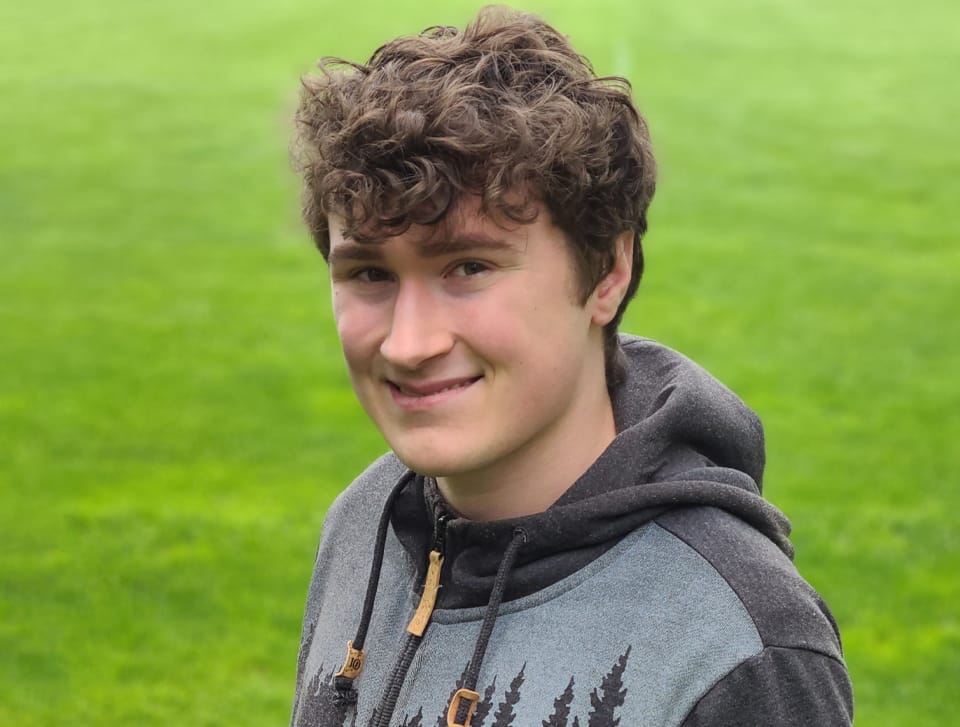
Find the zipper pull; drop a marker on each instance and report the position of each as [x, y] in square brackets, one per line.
[431, 584]
[440, 533]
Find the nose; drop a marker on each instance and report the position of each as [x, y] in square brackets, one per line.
[419, 328]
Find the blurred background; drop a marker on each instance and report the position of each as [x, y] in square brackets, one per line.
[174, 414]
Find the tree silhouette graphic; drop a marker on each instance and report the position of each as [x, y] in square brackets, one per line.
[609, 695]
[504, 716]
[415, 721]
[317, 705]
[561, 708]
[442, 719]
[483, 707]
[605, 700]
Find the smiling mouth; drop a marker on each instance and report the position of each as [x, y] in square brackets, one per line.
[424, 391]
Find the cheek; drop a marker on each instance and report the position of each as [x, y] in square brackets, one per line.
[516, 328]
[495, 333]
[357, 327]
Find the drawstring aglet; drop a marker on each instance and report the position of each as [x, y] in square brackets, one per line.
[343, 679]
[352, 664]
[457, 704]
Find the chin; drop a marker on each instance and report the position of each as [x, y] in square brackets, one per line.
[426, 466]
[429, 464]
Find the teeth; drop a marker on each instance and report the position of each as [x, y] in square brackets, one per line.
[407, 392]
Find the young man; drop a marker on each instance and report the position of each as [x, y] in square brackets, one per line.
[569, 529]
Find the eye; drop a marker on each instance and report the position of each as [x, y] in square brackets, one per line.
[469, 268]
[372, 275]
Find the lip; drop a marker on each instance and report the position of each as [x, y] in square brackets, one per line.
[427, 394]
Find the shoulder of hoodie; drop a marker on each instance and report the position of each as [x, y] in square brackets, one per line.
[798, 676]
[361, 503]
[786, 611]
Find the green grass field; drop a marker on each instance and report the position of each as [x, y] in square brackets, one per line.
[174, 418]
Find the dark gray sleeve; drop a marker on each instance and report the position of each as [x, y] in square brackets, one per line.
[780, 687]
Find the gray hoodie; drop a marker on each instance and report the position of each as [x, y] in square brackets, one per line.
[658, 590]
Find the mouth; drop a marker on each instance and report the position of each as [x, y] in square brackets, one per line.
[419, 394]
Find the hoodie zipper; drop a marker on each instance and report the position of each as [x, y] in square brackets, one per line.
[416, 628]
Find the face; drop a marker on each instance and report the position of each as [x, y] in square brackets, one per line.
[467, 347]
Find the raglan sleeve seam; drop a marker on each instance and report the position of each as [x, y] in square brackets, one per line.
[679, 536]
[746, 609]
[745, 662]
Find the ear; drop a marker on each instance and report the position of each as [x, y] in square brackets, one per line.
[609, 293]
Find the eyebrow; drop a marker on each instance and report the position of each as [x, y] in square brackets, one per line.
[349, 250]
[355, 251]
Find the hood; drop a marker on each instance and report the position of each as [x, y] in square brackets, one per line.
[683, 440]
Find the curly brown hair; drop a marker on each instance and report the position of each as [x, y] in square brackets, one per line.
[506, 110]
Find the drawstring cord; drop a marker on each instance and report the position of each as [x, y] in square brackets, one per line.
[464, 702]
[345, 692]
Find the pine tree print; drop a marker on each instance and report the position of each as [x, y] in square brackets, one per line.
[561, 708]
[504, 716]
[311, 700]
[609, 695]
[309, 706]
[442, 719]
[416, 721]
[317, 705]
[483, 707]
[305, 648]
